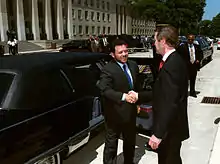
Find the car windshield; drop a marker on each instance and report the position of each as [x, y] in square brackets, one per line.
[5, 83]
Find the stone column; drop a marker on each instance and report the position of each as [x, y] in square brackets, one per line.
[60, 19]
[70, 20]
[20, 20]
[119, 20]
[48, 23]
[3, 20]
[35, 20]
[123, 19]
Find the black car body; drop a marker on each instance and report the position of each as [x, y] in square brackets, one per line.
[147, 71]
[207, 49]
[48, 103]
[76, 46]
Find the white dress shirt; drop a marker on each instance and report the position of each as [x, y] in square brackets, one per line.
[167, 54]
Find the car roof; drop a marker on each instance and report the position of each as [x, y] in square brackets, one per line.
[24, 63]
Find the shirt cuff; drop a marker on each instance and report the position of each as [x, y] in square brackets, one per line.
[123, 97]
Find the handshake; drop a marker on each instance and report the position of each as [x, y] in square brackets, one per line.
[131, 97]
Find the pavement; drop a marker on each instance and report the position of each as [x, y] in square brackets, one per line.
[35, 51]
[23, 46]
[203, 146]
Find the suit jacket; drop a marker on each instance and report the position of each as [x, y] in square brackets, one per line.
[113, 83]
[183, 50]
[170, 99]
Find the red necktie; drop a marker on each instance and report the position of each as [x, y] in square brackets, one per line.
[161, 64]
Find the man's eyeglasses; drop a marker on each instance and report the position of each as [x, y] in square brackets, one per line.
[190, 39]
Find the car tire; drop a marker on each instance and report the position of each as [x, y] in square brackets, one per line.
[53, 159]
[210, 58]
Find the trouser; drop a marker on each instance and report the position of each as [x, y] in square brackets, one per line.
[192, 78]
[113, 132]
[169, 151]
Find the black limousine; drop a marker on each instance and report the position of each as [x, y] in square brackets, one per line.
[49, 104]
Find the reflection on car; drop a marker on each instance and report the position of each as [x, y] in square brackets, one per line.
[49, 104]
[207, 49]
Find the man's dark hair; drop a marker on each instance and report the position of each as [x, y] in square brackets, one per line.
[117, 42]
[169, 33]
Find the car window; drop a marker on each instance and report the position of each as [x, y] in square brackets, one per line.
[44, 90]
[5, 83]
[84, 78]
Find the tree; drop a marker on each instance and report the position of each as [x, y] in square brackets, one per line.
[205, 27]
[183, 14]
[215, 26]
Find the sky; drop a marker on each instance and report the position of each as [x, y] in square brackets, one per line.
[212, 9]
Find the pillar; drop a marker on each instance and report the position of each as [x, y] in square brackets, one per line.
[35, 20]
[119, 20]
[20, 20]
[3, 20]
[48, 23]
[60, 20]
[70, 20]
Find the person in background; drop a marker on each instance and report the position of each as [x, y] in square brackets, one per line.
[119, 86]
[170, 120]
[192, 54]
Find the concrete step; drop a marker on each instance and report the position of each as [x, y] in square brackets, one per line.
[24, 46]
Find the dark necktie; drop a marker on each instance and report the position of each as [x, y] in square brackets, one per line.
[128, 77]
[161, 64]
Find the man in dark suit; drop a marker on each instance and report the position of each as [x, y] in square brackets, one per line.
[170, 121]
[119, 84]
[192, 55]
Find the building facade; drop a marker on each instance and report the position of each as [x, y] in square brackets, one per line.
[68, 19]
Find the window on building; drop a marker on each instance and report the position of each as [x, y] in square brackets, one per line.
[98, 16]
[74, 29]
[103, 16]
[97, 3]
[80, 29]
[92, 3]
[86, 2]
[103, 5]
[93, 29]
[73, 14]
[92, 15]
[79, 2]
[109, 19]
[108, 6]
[109, 30]
[87, 30]
[86, 15]
[79, 14]
[103, 29]
[98, 30]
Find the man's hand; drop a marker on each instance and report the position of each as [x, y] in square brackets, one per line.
[154, 142]
[131, 97]
[197, 62]
[134, 94]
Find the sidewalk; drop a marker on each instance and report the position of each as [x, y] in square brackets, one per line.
[203, 146]
[35, 51]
